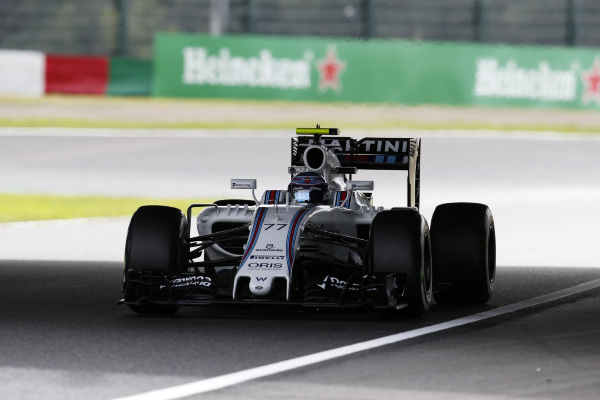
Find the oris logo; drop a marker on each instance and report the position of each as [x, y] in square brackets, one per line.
[265, 265]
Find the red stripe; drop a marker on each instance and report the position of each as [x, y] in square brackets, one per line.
[296, 220]
[76, 75]
[256, 229]
[272, 194]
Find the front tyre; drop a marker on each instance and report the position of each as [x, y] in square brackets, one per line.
[152, 250]
[463, 238]
[400, 244]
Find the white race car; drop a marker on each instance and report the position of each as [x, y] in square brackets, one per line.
[318, 243]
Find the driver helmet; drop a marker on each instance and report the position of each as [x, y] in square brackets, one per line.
[309, 188]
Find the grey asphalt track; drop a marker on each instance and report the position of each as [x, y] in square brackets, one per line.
[62, 337]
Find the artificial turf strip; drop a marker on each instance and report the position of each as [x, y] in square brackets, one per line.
[35, 207]
[256, 125]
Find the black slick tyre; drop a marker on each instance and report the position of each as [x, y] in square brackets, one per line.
[400, 244]
[152, 248]
[463, 240]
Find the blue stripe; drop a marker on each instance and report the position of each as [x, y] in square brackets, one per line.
[292, 233]
[379, 159]
[258, 221]
[391, 159]
[339, 202]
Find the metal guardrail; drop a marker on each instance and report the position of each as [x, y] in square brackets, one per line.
[127, 27]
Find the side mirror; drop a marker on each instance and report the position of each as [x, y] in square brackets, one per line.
[357, 185]
[360, 185]
[245, 184]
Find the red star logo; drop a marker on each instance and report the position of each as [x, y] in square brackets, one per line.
[329, 71]
[307, 180]
[591, 79]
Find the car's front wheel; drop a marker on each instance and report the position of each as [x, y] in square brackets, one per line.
[152, 250]
[400, 244]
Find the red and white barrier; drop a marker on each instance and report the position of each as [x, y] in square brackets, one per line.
[33, 73]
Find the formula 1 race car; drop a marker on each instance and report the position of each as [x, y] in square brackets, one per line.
[319, 243]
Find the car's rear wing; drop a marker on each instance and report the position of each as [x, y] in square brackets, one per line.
[369, 153]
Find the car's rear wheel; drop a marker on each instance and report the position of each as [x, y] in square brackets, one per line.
[400, 244]
[152, 248]
[463, 240]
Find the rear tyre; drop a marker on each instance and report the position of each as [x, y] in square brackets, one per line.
[400, 244]
[152, 248]
[463, 240]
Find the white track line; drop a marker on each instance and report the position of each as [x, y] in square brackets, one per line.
[223, 381]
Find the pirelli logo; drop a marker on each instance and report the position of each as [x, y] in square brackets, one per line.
[267, 257]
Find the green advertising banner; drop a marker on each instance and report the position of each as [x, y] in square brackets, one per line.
[374, 71]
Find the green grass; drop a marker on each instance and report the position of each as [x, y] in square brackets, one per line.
[35, 207]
